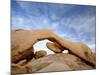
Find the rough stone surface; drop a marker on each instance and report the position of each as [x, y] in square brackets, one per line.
[23, 40]
[79, 55]
[54, 48]
[53, 67]
[56, 62]
[16, 69]
[40, 54]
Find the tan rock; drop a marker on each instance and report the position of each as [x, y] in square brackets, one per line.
[40, 54]
[23, 40]
[57, 62]
[54, 47]
[18, 55]
[77, 48]
[22, 43]
[22, 62]
[55, 67]
[17, 69]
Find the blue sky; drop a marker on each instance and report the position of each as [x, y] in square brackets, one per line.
[75, 22]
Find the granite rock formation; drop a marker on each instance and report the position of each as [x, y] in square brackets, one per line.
[24, 59]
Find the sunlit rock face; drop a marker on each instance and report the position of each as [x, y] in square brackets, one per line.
[29, 57]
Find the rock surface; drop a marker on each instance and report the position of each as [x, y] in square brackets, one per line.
[54, 48]
[53, 67]
[17, 69]
[22, 41]
[40, 54]
[56, 62]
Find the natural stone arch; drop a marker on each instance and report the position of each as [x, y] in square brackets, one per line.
[24, 40]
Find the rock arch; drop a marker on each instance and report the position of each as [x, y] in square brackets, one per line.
[23, 40]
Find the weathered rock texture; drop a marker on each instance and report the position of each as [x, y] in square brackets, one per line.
[54, 62]
[40, 54]
[22, 41]
[54, 48]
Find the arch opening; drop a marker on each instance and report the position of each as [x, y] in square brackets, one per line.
[41, 45]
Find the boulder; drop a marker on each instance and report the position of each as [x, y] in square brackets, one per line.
[57, 62]
[52, 63]
[40, 54]
[53, 47]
